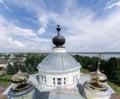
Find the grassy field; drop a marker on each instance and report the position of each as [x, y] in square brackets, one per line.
[84, 71]
[5, 78]
[115, 87]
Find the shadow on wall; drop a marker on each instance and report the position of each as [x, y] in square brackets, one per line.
[81, 90]
[37, 78]
[41, 95]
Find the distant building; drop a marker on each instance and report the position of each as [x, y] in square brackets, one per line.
[3, 64]
[12, 56]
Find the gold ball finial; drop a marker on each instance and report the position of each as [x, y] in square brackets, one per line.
[97, 78]
[20, 77]
[21, 80]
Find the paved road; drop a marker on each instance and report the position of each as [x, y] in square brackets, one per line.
[115, 96]
[3, 87]
[2, 72]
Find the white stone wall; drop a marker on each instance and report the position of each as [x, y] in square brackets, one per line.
[68, 78]
[59, 49]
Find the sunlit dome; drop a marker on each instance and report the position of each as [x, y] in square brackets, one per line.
[59, 62]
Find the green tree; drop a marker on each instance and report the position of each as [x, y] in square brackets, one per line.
[103, 65]
[10, 69]
[35, 63]
[118, 63]
[111, 67]
[34, 60]
[87, 62]
[30, 69]
[1, 68]
[23, 67]
[93, 63]
[79, 59]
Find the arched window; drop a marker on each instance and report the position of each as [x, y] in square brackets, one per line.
[59, 81]
[43, 78]
[54, 81]
[64, 81]
[75, 78]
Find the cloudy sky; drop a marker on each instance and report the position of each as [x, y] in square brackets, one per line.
[87, 25]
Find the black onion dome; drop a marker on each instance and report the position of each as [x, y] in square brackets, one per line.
[58, 40]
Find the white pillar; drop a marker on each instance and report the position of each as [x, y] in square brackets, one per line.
[55, 81]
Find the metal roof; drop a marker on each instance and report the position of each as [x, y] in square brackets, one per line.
[59, 62]
[58, 94]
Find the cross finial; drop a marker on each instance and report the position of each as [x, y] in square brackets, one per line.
[58, 19]
[98, 68]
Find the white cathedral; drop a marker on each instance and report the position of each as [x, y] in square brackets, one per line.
[59, 78]
[59, 69]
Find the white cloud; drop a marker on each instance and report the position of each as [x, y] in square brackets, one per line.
[1, 1]
[21, 31]
[8, 42]
[10, 34]
[5, 6]
[82, 31]
[43, 22]
[10, 28]
[86, 34]
[41, 30]
[113, 5]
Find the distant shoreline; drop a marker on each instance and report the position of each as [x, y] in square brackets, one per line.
[68, 52]
[96, 52]
[104, 55]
